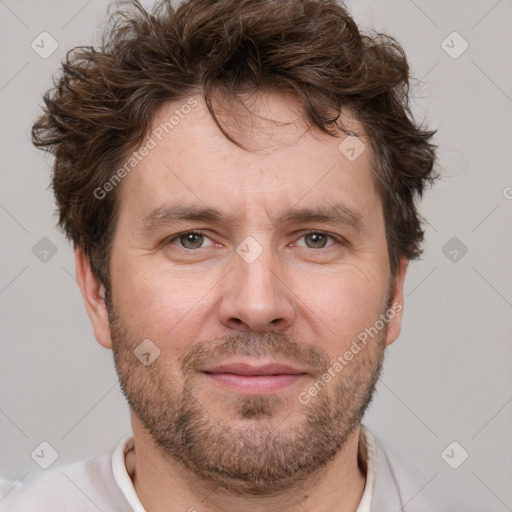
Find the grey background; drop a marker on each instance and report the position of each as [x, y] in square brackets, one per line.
[447, 378]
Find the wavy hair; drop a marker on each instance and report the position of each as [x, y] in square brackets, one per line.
[104, 99]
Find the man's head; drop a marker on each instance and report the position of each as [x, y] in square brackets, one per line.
[238, 178]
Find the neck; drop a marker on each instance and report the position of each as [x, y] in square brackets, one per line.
[163, 484]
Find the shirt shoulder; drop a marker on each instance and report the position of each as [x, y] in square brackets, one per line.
[84, 486]
[401, 485]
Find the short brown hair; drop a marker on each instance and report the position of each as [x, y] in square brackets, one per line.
[104, 100]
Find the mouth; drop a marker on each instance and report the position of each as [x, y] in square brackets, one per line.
[249, 379]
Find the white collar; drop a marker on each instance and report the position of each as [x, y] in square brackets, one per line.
[121, 474]
[371, 470]
[125, 483]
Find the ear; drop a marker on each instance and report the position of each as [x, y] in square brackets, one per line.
[396, 307]
[93, 293]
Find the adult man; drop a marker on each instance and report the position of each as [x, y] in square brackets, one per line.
[238, 179]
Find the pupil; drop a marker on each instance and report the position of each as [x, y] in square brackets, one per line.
[317, 239]
[192, 239]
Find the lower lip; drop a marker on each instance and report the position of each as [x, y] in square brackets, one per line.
[255, 384]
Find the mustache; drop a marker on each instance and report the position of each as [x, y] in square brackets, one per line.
[271, 345]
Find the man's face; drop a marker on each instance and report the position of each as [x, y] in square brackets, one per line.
[250, 311]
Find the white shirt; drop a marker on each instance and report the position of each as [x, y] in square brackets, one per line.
[103, 483]
[124, 481]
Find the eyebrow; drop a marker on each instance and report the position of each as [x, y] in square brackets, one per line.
[337, 213]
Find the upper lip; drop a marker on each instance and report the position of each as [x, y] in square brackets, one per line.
[249, 369]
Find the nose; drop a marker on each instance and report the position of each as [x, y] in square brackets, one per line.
[256, 297]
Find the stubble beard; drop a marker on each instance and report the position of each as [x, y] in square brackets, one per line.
[261, 454]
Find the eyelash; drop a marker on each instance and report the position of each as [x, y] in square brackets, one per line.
[302, 235]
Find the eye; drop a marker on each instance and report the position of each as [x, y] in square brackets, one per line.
[190, 240]
[195, 240]
[316, 239]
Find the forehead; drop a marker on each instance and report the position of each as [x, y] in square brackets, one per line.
[191, 161]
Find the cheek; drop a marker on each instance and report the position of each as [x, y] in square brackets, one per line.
[344, 306]
[166, 307]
